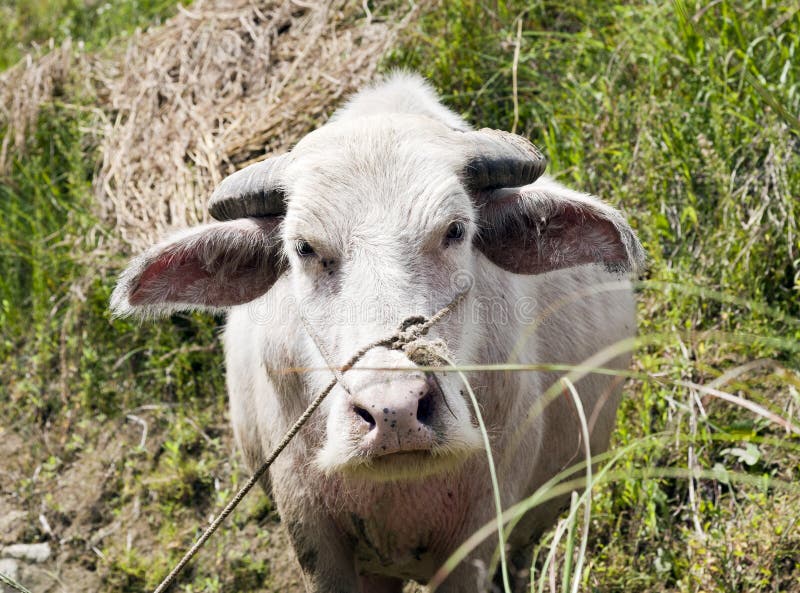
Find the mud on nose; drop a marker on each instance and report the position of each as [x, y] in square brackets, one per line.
[398, 415]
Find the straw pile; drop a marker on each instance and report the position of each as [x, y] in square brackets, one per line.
[222, 83]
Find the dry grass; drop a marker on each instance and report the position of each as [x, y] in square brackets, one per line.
[222, 83]
[215, 88]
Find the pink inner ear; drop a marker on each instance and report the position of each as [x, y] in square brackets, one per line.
[168, 279]
[562, 238]
[221, 265]
[184, 278]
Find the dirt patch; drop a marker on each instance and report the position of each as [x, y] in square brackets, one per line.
[106, 527]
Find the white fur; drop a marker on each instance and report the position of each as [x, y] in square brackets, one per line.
[374, 191]
[401, 92]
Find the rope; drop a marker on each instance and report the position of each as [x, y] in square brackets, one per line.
[412, 328]
[337, 373]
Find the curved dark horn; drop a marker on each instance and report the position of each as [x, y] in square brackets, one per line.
[255, 191]
[501, 159]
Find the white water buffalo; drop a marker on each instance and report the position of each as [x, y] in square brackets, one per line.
[385, 212]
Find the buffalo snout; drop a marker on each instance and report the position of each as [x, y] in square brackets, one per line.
[397, 413]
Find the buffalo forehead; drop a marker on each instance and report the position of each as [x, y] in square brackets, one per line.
[376, 172]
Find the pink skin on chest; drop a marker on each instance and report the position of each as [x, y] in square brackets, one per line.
[404, 528]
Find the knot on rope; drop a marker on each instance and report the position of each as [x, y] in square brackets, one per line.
[410, 339]
[427, 353]
[410, 329]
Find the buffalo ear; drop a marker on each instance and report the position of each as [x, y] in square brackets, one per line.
[210, 267]
[544, 226]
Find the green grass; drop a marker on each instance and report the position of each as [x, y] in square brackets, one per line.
[26, 24]
[682, 114]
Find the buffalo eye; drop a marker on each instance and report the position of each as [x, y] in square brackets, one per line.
[303, 248]
[455, 233]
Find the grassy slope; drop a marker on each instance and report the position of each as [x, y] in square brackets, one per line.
[678, 113]
[650, 106]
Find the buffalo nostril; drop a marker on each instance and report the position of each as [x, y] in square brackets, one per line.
[425, 408]
[365, 416]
